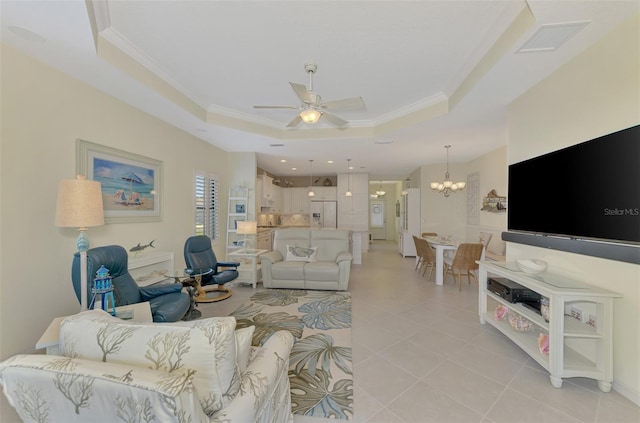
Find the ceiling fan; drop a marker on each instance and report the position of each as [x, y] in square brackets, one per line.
[312, 107]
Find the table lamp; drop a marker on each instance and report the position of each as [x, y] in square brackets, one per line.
[247, 227]
[79, 205]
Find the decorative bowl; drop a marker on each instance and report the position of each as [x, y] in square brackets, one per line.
[531, 266]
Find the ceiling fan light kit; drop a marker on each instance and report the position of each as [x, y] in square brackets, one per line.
[312, 108]
[447, 186]
[310, 116]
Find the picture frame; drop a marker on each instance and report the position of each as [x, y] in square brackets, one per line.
[240, 208]
[131, 183]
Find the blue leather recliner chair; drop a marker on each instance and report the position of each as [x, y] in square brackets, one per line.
[168, 302]
[198, 254]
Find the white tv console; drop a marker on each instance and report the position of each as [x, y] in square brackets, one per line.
[576, 349]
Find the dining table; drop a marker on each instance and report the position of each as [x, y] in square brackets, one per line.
[440, 245]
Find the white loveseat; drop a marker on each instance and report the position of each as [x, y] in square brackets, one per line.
[304, 258]
[113, 370]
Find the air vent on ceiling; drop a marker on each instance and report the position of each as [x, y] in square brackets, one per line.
[551, 36]
[276, 145]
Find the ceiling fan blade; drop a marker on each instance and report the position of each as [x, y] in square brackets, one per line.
[302, 93]
[335, 120]
[275, 107]
[296, 120]
[346, 103]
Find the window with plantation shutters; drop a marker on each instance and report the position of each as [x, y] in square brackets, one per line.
[206, 205]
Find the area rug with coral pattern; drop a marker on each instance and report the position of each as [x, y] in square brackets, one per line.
[320, 369]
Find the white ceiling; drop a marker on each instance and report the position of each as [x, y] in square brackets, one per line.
[431, 73]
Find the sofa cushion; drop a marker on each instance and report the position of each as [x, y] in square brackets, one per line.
[321, 271]
[330, 243]
[204, 348]
[307, 254]
[290, 270]
[243, 347]
[52, 388]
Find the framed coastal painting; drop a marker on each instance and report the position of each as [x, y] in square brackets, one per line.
[131, 183]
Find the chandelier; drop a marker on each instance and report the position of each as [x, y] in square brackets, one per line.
[380, 192]
[447, 186]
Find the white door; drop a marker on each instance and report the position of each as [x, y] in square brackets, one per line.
[377, 221]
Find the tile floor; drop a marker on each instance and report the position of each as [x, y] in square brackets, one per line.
[421, 355]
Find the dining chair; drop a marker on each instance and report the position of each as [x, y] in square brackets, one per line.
[428, 257]
[464, 262]
[426, 234]
[419, 254]
[484, 238]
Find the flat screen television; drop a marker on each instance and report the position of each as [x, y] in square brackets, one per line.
[588, 192]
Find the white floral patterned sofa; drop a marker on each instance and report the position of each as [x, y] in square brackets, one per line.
[114, 370]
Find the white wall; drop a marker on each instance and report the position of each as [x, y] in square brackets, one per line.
[493, 171]
[595, 94]
[43, 113]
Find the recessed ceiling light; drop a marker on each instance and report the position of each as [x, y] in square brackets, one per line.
[27, 34]
[283, 160]
[293, 168]
[330, 161]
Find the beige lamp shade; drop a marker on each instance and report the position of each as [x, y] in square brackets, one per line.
[248, 227]
[79, 203]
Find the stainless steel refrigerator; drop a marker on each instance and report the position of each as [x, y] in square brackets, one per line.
[324, 214]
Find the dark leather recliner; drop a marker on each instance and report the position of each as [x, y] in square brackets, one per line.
[167, 301]
[199, 254]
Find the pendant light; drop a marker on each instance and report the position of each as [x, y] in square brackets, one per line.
[447, 186]
[311, 193]
[348, 193]
[380, 192]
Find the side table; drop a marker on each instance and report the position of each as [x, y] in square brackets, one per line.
[250, 271]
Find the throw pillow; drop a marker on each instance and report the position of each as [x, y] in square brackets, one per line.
[243, 347]
[203, 349]
[301, 253]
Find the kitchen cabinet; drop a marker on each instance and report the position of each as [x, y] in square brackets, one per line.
[277, 204]
[324, 193]
[286, 200]
[295, 201]
[299, 200]
[268, 191]
[263, 239]
[575, 349]
[353, 212]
